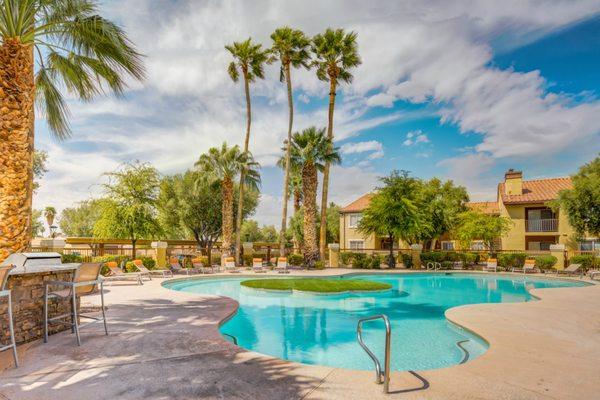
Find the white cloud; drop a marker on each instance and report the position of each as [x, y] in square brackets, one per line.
[373, 147]
[415, 137]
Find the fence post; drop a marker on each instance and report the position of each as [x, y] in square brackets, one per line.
[415, 252]
[334, 255]
[558, 251]
[160, 253]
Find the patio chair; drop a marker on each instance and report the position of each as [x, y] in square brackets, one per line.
[4, 292]
[117, 274]
[282, 265]
[165, 273]
[176, 267]
[257, 265]
[572, 269]
[594, 274]
[229, 265]
[528, 266]
[199, 266]
[86, 281]
[491, 265]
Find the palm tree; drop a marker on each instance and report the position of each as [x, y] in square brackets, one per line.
[249, 60]
[291, 48]
[49, 214]
[46, 45]
[294, 187]
[312, 149]
[223, 165]
[336, 52]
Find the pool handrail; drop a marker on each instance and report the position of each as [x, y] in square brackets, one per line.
[381, 376]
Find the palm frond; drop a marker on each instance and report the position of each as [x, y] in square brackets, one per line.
[51, 102]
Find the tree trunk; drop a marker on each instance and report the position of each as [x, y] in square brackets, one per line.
[17, 91]
[309, 186]
[227, 212]
[238, 222]
[297, 204]
[133, 249]
[286, 179]
[324, 192]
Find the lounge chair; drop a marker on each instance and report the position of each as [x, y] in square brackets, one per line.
[165, 273]
[594, 274]
[117, 274]
[572, 269]
[491, 265]
[176, 267]
[282, 265]
[528, 266]
[229, 265]
[257, 265]
[199, 266]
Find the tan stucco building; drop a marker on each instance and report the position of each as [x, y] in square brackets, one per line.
[535, 226]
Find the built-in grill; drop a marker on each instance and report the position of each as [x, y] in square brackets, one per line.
[22, 260]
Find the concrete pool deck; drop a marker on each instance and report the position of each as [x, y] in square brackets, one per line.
[165, 344]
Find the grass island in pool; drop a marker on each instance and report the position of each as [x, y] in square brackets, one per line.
[317, 285]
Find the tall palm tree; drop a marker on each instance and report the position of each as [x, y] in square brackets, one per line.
[294, 187]
[312, 149]
[49, 214]
[224, 165]
[46, 45]
[335, 52]
[248, 60]
[291, 49]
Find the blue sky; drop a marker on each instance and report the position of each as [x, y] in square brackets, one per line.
[453, 89]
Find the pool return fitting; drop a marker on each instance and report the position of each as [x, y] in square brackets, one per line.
[382, 376]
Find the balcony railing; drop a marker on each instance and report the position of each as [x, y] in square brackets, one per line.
[542, 225]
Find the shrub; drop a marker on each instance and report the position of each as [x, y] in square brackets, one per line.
[319, 265]
[71, 258]
[346, 258]
[359, 260]
[453, 256]
[432, 256]
[375, 261]
[406, 259]
[248, 259]
[587, 261]
[148, 262]
[130, 267]
[201, 259]
[511, 260]
[295, 259]
[545, 262]
[471, 258]
[447, 264]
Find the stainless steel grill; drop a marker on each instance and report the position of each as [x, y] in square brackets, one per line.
[22, 260]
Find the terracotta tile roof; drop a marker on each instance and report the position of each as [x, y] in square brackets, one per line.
[359, 204]
[486, 207]
[537, 191]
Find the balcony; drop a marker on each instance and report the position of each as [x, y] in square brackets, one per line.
[541, 225]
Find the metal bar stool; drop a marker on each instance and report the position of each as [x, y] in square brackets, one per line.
[4, 271]
[85, 280]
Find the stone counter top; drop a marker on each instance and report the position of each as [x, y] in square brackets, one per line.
[44, 269]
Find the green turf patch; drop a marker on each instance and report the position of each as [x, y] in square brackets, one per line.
[316, 285]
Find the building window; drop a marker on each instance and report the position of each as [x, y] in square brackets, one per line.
[357, 244]
[477, 245]
[447, 245]
[589, 245]
[354, 220]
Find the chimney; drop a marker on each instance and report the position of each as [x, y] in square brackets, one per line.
[513, 182]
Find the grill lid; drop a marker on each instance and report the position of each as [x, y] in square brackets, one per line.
[33, 259]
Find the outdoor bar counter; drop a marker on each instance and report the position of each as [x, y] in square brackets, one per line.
[26, 284]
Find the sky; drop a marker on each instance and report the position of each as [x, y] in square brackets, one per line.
[461, 90]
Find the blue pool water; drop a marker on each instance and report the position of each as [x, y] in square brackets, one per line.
[321, 329]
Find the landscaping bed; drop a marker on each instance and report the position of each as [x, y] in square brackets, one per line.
[317, 285]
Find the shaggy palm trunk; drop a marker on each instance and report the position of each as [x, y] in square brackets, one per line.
[17, 91]
[286, 179]
[297, 205]
[309, 187]
[227, 212]
[324, 192]
[238, 222]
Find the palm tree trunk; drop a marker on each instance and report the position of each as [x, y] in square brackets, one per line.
[17, 92]
[297, 204]
[227, 212]
[238, 222]
[309, 187]
[286, 179]
[325, 191]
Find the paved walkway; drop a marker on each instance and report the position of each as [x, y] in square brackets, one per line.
[165, 344]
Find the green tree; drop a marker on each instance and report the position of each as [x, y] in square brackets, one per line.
[40, 158]
[291, 48]
[223, 165]
[333, 223]
[312, 149]
[475, 225]
[248, 60]
[129, 209]
[393, 211]
[582, 203]
[335, 53]
[251, 231]
[37, 226]
[269, 234]
[47, 46]
[79, 221]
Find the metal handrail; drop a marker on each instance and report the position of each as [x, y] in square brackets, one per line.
[231, 336]
[466, 355]
[381, 376]
[434, 265]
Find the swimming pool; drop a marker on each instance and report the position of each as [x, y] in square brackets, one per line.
[321, 329]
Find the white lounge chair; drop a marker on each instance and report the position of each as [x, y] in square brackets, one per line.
[165, 273]
[282, 265]
[229, 265]
[117, 274]
[528, 266]
[491, 265]
[199, 265]
[572, 269]
[176, 268]
[257, 265]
